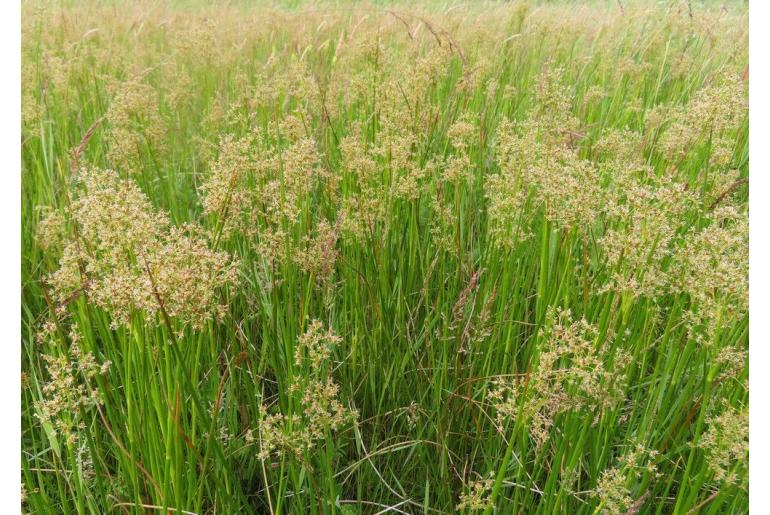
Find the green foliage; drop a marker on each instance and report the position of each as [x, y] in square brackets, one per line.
[352, 258]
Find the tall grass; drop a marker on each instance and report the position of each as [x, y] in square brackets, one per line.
[352, 258]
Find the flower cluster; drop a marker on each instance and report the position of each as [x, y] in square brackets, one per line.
[363, 205]
[136, 128]
[711, 116]
[540, 166]
[477, 496]
[51, 231]
[69, 391]
[128, 258]
[259, 190]
[643, 230]
[726, 445]
[297, 433]
[574, 371]
[612, 490]
[318, 253]
[711, 267]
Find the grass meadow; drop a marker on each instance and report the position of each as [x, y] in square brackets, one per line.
[341, 258]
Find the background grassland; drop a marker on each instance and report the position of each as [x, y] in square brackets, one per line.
[434, 184]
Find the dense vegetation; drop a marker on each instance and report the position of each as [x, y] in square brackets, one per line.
[353, 258]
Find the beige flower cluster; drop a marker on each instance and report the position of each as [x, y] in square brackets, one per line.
[574, 371]
[127, 258]
[726, 445]
[477, 494]
[137, 133]
[297, 433]
[643, 228]
[612, 489]
[712, 268]
[540, 168]
[69, 389]
[318, 252]
[259, 189]
[711, 117]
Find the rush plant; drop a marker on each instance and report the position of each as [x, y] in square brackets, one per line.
[367, 258]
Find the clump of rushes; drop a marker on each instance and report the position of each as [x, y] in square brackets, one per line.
[524, 226]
